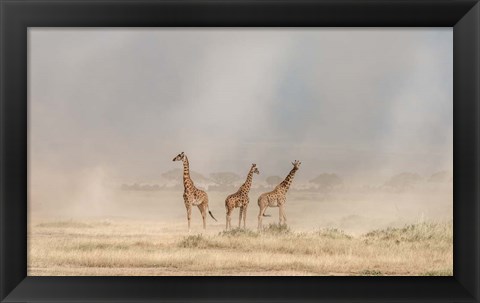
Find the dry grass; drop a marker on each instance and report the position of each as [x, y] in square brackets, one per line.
[121, 247]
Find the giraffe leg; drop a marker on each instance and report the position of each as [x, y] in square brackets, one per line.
[259, 226]
[281, 214]
[229, 217]
[226, 218]
[203, 211]
[244, 216]
[189, 215]
[240, 217]
[260, 215]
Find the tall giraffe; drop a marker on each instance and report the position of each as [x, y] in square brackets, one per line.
[240, 199]
[193, 196]
[277, 197]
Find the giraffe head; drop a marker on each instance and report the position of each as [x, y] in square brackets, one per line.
[179, 157]
[296, 164]
[255, 169]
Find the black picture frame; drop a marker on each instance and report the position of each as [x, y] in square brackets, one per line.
[17, 16]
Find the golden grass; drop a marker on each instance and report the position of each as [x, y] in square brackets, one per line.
[121, 247]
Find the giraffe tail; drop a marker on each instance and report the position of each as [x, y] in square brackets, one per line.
[211, 215]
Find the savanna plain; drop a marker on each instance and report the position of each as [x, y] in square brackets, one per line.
[344, 232]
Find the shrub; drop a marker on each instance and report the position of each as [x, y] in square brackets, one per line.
[369, 272]
[277, 229]
[441, 272]
[196, 241]
[333, 233]
[415, 232]
[238, 232]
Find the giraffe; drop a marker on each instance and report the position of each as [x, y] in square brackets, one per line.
[240, 199]
[193, 196]
[277, 197]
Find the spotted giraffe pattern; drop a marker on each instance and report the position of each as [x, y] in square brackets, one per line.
[277, 197]
[240, 199]
[193, 196]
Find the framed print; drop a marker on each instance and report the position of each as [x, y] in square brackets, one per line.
[381, 191]
[311, 142]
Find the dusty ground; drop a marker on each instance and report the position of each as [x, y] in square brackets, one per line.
[356, 232]
[121, 247]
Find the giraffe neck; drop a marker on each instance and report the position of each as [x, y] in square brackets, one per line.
[248, 183]
[186, 172]
[285, 185]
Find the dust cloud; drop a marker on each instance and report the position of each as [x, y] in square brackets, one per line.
[350, 207]
[110, 108]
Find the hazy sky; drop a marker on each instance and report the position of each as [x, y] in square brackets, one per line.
[358, 102]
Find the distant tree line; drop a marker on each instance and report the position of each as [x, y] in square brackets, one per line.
[327, 182]
[324, 182]
[407, 180]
